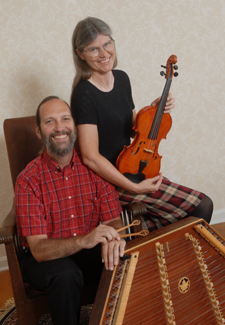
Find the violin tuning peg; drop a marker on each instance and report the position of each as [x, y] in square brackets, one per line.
[163, 66]
[175, 67]
[175, 74]
[162, 73]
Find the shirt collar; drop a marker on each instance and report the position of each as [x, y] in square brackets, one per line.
[53, 165]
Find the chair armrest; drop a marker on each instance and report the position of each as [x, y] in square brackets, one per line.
[6, 234]
[130, 213]
[7, 230]
[137, 209]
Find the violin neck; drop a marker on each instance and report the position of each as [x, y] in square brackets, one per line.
[153, 134]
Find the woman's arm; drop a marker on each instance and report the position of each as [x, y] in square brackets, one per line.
[88, 143]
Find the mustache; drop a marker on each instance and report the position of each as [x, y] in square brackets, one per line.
[59, 133]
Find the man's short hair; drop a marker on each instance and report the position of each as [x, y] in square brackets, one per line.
[38, 119]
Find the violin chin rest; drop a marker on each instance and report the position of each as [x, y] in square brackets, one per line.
[135, 178]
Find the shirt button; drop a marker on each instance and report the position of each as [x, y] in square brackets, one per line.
[69, 197]
[72, 216]
[75, 235]
[66, 178]
[56, 172]
[96, 198]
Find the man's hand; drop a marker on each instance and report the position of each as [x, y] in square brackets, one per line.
[100, 235]
[111, 251]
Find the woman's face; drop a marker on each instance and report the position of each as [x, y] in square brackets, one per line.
[104, 60]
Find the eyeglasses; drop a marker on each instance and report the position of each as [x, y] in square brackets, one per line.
[94, 52]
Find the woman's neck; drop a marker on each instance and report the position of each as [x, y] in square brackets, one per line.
[104, 82]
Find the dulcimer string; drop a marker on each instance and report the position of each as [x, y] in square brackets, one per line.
[150, 258]
[138, 311]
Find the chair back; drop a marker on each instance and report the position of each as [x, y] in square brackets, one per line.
[22, 143]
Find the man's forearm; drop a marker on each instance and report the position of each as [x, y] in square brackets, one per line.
[44, 249]
[52, 248]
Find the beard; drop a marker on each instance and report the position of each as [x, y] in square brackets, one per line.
[59, 150]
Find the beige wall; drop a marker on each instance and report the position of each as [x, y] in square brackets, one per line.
[36, 61]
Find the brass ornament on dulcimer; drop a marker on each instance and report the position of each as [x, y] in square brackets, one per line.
[141, 160]
[175, 275]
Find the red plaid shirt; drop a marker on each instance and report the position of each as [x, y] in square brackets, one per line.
[62, 202]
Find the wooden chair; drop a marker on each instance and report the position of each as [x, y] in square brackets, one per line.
[23, 146]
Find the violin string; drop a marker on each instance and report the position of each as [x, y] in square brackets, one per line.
[153, 134]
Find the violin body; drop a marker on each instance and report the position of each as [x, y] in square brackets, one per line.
[134, 161]
[141, 160]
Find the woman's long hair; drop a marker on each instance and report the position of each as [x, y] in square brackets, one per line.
[84, 34]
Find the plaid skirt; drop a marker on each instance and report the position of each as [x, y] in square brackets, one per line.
[172, 202]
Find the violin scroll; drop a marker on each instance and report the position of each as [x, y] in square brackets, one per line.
[170, 67]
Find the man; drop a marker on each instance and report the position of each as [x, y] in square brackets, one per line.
[59, 203]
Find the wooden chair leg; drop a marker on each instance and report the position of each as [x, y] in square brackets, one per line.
[22, 309]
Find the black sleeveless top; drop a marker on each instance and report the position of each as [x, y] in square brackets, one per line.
[110, 111]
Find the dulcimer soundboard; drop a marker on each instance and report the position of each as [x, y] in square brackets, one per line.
[175, 275]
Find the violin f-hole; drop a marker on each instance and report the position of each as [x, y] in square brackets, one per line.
[154, 155]
[134, 153]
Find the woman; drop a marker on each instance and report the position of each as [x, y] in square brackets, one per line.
[104, 113]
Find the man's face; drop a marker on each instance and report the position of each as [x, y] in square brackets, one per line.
[57, 129]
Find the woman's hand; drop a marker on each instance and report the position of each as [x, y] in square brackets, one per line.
[170, 103]
[150, 185]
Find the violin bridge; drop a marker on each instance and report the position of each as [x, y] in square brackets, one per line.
[148, 150]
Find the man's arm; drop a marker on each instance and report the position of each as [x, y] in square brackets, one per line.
[44, 249]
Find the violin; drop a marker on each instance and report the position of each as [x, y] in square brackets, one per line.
[141, 160]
